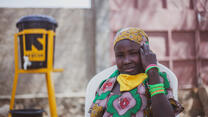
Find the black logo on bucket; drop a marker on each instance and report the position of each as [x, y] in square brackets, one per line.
[34, 46]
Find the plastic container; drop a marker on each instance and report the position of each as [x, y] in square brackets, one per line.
[33, 52]
[27, 113]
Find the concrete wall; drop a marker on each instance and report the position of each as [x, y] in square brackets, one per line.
[103, 40]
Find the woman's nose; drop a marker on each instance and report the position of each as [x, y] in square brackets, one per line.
[126, 60]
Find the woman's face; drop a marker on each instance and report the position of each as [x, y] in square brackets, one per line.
[128, 57]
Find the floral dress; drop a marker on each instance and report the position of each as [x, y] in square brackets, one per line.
[133, 103]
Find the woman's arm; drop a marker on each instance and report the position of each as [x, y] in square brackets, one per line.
[160, 104]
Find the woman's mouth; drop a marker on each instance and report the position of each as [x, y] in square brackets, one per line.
[129, 70]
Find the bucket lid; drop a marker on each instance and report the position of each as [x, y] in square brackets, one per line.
[37, 18]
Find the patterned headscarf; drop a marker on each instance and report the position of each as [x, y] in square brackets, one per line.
[135, 34]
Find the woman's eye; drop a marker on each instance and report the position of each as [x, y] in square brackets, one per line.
[119, 55]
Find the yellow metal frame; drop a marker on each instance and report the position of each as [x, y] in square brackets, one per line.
[47, 71]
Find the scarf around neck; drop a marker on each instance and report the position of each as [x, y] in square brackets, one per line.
[129, 82]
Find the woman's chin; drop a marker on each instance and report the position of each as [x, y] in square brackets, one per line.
[130, 72]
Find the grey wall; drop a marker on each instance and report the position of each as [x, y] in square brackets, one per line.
[103, 41]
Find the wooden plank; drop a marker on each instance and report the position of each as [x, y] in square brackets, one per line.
[170, 49]
[198, 61]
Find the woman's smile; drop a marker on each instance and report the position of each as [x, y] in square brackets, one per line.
[129, 69]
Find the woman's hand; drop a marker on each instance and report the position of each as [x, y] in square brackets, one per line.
[160, 104]
[147, 56]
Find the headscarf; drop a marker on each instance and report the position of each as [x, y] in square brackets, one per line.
[134, 34]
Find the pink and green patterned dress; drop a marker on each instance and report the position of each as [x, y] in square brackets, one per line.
[133, 103]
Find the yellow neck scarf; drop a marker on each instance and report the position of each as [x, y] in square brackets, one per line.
[129, 82]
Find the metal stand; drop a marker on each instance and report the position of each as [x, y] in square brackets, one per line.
[47, 71]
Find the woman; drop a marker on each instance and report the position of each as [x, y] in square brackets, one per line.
[137, 88]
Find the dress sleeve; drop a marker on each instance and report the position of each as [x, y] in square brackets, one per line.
[96, 110]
